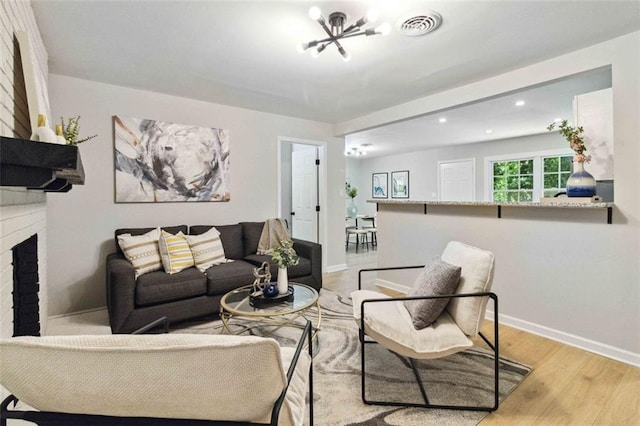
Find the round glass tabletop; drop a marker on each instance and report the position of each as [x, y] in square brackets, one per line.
[236, 302]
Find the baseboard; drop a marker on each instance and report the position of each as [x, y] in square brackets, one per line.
[570, 339]
[85, 311]
[337, 268]
[392, 286]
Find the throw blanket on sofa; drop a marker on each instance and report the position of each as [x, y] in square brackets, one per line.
[273, 234]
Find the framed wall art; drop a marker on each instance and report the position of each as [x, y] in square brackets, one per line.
[379, 185]
[400, 184]
[159, 161]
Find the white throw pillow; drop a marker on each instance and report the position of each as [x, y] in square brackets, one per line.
[207, 249]
[142, 251]
[175, 252]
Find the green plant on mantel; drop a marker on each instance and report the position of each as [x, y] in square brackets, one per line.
[71, 131]
[352, 192]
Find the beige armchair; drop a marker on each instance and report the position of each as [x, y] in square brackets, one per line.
[390, 321]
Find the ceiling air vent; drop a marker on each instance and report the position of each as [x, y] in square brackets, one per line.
[419, 24]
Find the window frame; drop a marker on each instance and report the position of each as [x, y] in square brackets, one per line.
[538, 172]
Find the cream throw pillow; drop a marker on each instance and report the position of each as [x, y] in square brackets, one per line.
[142, 251]
[175, 252]
[207, 249]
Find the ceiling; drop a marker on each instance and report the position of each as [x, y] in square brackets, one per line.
[242, 53]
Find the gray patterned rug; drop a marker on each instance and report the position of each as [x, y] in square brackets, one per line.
[463, 378]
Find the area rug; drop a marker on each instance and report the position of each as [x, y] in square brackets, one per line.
[463, 378]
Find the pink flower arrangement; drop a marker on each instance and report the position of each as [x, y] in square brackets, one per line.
[575, 139]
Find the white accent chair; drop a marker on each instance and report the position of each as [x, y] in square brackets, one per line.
[385, 320]
[166, 379]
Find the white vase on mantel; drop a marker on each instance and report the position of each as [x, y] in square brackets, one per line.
[283, 282]
[43, 133]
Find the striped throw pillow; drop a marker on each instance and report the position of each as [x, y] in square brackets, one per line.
[175, 252]
[207, 249]
[142, 251]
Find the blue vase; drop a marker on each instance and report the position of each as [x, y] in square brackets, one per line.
[581, 183]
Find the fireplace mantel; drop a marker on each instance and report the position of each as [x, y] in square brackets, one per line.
[39, 165]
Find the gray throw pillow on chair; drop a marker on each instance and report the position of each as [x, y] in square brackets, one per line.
[437, 278]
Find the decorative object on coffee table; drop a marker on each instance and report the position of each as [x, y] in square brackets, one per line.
[581, 183]
[284, 256]
[263, 277]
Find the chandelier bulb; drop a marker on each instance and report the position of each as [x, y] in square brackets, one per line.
[315, 53]
[315, 13]
[301, 47]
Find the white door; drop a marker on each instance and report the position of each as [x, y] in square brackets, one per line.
[304, 192]
[456, 180]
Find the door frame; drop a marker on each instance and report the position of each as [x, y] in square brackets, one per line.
[322, 184]
[472, 160]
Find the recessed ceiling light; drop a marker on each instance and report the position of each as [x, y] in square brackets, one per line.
[442, 120]
[489, 131]
[520, 103]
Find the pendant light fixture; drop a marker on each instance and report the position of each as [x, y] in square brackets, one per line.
[337, 30]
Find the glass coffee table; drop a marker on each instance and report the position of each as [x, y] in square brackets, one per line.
[236, 303]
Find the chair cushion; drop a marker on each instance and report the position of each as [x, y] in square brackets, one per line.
[159, 287]
[207, 249]
[142, 251]
[390, 324]
[175, 252]
[477, 276]
[118, 375]
[436, 279]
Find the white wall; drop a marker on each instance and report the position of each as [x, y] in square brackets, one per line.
[423, 165]
[561, 273]
[82, 222]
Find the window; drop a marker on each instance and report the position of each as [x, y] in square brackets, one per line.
[513, 180]
[527, 177]
[555, 172]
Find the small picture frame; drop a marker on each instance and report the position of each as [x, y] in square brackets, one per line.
[400, 184]
[379, 185]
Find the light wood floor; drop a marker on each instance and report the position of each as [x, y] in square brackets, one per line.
[567, 386]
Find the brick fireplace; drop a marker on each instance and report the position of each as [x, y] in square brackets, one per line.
[23, 215]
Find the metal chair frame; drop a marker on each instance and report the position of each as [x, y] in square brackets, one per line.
[494, 346]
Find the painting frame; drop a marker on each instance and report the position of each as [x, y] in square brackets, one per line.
[380, 185]
[400, 184]
[161, 162]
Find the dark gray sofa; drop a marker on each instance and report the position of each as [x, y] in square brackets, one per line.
[133, 303]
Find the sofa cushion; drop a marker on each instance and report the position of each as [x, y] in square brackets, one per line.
[230, 235]
[251, 233]
[302, 269]
[140, 231]
[159, 287]
[142, 251]
[175, 252]
[229, 276]
[207, 249]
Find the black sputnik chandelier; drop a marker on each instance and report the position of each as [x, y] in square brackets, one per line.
[337, 30]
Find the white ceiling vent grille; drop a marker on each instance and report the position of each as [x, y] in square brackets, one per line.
[419, 24]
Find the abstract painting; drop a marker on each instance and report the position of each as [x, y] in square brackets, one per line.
[400, 184]
[159, 161]
[379, 185]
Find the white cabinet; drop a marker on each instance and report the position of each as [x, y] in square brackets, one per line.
[594, 112]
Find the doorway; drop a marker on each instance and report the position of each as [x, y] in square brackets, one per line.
[457, 180]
